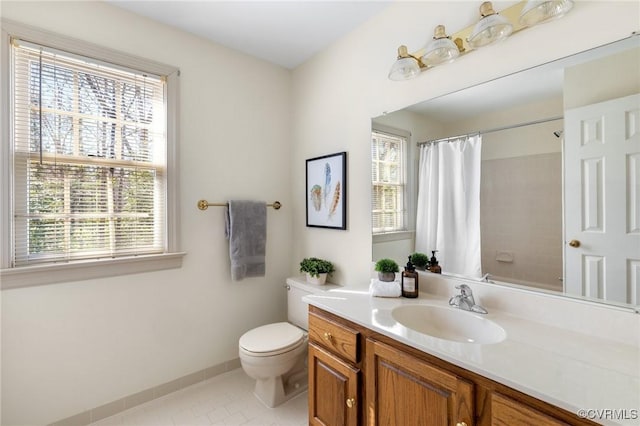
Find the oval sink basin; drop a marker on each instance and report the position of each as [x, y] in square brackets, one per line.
[449, 324]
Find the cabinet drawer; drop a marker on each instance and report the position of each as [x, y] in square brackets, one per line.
[506, 412]
[335, 337]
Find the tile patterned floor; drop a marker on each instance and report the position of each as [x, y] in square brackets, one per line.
[226, 399]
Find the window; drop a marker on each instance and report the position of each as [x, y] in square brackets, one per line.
[388, 179]
[89, 147]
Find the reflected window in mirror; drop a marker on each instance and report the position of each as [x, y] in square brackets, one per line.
[388, 180]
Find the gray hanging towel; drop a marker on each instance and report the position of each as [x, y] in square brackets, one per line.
[246, 230]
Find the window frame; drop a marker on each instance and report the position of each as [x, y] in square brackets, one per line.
[13, 277]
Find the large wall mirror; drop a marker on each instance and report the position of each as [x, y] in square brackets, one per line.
[558, 172]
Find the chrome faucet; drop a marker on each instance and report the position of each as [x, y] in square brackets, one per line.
[465, 300]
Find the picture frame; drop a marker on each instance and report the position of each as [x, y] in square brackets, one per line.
[326, 191]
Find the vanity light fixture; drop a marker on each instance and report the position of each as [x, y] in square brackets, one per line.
[440, 50]
[490, 28]
[406, 66]
[539, 11]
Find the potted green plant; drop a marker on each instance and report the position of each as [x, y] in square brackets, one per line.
[420, 260]
[387, 269]
[316, 269]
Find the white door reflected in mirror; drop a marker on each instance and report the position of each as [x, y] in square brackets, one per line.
[602, 157]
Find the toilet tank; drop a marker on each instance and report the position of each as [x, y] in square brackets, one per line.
[297, 310]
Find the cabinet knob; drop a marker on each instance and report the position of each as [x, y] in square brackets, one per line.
[461, 424]
[351, 402]
[327, 336]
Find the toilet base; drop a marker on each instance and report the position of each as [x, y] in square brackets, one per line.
[278, 390]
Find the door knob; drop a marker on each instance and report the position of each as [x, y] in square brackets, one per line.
[351, 402]
[574, 243]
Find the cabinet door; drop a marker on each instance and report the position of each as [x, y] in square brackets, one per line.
[333, 389]
[404, 390]
[507, 412]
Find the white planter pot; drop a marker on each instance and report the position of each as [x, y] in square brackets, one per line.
[317, 280]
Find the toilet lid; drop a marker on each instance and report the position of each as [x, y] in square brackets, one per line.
[271, 337]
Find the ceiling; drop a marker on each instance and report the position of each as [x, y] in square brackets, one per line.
[285, 33]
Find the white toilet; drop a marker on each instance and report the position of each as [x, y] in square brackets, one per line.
[276, 354]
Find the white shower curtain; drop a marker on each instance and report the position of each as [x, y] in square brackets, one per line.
[448, 214]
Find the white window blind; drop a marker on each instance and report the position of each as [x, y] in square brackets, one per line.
[89, 158]
[388, 177]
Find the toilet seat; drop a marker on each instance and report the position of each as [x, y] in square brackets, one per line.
[271, 339]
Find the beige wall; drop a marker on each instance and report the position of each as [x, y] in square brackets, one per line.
[70, 347]
[516, 142]
[622, 70]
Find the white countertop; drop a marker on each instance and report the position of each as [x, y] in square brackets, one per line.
[570, 370]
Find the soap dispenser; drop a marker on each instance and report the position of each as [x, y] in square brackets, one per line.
[409, 281]
[433, 264]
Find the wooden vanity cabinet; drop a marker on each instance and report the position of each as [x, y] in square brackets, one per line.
[358, 377]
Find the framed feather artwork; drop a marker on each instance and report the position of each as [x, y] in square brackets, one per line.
[327, 191]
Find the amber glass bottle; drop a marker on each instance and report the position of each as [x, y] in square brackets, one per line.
[409, 281]
[433, 264]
